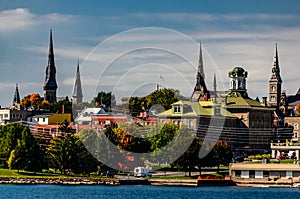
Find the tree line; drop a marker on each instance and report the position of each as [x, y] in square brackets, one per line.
[72, 152]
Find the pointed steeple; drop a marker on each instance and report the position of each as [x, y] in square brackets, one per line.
[215, 88]
[276, 68]
[50, 84]
[16, 99]
[200, 63]
[275, 82]
[200, 90]
[215, 83]
[77, 93]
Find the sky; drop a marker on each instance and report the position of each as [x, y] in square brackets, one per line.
[130, 46]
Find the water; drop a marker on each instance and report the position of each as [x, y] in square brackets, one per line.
[128, 192]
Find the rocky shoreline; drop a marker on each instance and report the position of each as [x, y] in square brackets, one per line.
[59, 181]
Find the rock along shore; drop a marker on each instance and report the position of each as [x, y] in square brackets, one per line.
[59, 181]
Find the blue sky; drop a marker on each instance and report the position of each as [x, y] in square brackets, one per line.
[232, 33]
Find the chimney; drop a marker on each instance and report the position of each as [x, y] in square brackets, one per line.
[264, 99]
[63, 108]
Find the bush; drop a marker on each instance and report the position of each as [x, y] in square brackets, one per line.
[258, 157]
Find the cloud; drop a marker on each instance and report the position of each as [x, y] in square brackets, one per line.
[205, 17]
[22, 18]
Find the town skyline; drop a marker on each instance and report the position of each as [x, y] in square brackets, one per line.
[229, 39]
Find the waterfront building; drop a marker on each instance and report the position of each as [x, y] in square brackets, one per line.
[265, 174]
[245, 123]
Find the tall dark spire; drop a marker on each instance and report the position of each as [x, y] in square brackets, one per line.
[50, 85]
[200, 90]
[276, 68]
[16, 99]
[200, 63]
[215, 88]
[77, 93]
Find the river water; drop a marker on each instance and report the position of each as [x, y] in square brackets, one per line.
[127, 192]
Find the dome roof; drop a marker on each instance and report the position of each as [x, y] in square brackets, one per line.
[238, 71]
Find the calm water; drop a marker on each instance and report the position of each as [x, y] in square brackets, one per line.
[55, 191]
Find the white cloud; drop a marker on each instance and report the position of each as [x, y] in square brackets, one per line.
[22, 18]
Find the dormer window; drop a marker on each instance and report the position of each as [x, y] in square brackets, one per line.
[177, 109]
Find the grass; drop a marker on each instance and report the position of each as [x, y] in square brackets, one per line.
[45, 174]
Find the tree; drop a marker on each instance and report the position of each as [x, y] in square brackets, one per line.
[221, 154]
[297, 109]
[9, 136]
[67, 153]
[63, 106]
[32, 101]
[158, 101]
[190, 158]
[65, 128]
[105, 100]
[27, 154]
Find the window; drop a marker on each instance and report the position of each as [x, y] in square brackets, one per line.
[296, 134]
[273, 88]
[272, 98]
[5, 115]
[44, 119]
[176, 109]
[296, 126]
[191, 124]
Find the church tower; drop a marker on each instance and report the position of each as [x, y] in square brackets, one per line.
[275, 82]
[200, 91]
[238, 82]
[16, 100]
[77, 93]
[50, 85]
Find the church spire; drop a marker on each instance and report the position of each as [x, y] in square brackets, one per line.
[200, 63]
[275, 82]
[50, 84]
[77, 93]
[200, 91]
[215, 88]
[16, 99]
[276, 68]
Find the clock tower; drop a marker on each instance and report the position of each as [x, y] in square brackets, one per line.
[275, 82]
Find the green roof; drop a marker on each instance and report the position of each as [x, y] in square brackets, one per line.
[239, 101]
[194, 109]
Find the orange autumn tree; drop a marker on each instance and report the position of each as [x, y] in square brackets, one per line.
[297, 109]
[32, 100]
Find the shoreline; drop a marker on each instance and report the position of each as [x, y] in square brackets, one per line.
[58, 181]
[113, 182]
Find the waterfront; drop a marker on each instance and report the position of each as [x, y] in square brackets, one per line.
[56, 191]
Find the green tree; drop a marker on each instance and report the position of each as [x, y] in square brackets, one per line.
[63, 106]
[105, 100]
[9, 136]
[158, 101]
[27, 154]
[190, 158]
[65, 128]
[69, 154]
[221, 154]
